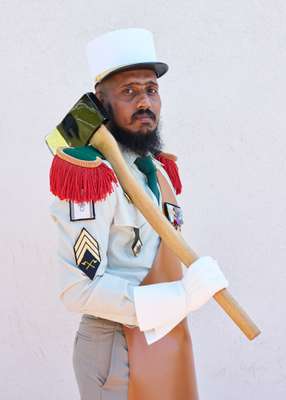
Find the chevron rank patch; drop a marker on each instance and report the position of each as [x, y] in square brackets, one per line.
[87, 254]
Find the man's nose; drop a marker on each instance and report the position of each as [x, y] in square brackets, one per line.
[143, 102]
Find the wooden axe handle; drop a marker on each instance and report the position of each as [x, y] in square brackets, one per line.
[105, 142]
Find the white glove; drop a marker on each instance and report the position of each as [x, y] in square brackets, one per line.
[201, 281]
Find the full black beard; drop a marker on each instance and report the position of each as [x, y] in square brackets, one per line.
[139, 142]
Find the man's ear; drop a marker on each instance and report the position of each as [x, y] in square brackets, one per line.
[100, 97]
[99, 93]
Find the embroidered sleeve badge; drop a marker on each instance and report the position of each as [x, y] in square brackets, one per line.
[81, 211]
[87, 254]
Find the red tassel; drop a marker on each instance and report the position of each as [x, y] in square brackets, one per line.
[172, 169]
[80, 184]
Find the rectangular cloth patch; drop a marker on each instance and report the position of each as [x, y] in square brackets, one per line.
[87, 254]
[81, 211]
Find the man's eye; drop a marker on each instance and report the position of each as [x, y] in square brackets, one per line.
[153, 90]
[128, 91]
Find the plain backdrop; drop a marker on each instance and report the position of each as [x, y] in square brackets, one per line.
[223, 115]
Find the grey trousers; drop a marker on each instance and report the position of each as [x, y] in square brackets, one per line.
[100, 360]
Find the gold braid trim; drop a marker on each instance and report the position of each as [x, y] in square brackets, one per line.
[75, 161]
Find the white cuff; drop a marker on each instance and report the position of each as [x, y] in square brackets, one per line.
[153, 335]
[201, 281]
[156, 305]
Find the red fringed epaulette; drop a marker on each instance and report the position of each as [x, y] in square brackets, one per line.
[79, 175]
[169, 164]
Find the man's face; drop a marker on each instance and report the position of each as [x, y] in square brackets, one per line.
[133, 97]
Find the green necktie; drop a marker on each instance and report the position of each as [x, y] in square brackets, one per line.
[146, 165]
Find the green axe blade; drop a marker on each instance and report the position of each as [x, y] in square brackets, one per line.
[78, 126]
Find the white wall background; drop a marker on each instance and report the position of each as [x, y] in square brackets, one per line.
[224, 116]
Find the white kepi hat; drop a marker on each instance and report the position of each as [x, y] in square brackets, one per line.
[121, 50]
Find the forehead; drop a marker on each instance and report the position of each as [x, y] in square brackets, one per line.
[136, 76]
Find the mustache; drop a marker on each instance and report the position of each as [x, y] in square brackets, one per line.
[141, 113]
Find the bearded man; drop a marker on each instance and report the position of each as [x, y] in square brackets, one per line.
[133, 340]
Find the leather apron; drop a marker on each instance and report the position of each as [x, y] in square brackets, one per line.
[164, 369]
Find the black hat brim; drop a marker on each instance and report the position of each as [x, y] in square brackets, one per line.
[159, 68]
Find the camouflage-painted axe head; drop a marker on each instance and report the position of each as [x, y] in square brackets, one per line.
[78, 126]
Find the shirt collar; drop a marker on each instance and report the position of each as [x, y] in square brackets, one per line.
[129, 155]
